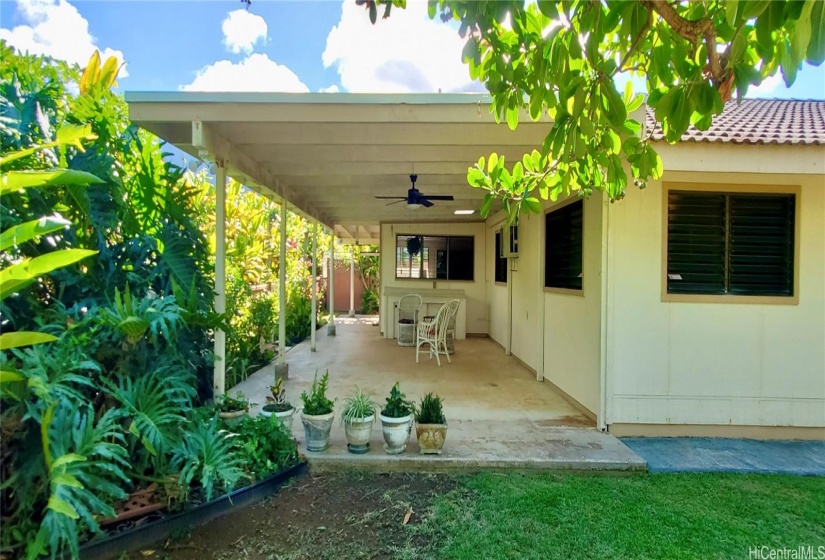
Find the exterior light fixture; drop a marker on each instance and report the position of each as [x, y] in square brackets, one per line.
[463, 212]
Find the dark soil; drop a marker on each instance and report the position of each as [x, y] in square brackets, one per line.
[325, 517]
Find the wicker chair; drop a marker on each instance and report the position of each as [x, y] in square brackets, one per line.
[434, 332]
[408, 308]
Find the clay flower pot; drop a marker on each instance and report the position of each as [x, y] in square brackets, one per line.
[431, 438]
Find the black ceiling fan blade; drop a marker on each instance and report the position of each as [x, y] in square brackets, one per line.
[396, 202]
[424, 202]
[439, 196]
[392, 197]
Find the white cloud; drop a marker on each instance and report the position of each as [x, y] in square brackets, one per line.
[242, 29]
[407, 52]
[257, 72]
[767, 87]
[331, 89]
[55, 28]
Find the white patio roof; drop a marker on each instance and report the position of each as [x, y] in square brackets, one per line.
[329, 154]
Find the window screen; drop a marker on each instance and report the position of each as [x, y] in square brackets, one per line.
[501, 262]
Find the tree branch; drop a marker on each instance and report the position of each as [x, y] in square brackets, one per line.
[692, 31]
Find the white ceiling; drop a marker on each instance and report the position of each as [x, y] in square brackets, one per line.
[330, 154]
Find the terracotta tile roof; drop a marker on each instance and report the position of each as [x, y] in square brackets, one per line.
[760, 121]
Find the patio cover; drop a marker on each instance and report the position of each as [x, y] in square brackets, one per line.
[329, 154]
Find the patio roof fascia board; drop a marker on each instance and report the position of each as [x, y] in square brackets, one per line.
[203, 136]
[293, 98]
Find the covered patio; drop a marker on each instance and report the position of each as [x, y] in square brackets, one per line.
[498, 415]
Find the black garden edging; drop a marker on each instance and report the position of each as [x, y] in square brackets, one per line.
[146, 535]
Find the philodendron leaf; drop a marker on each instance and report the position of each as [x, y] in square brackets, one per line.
[23, 338]
[14, 181]
[62, 507]
[29, 230]
[20, 275]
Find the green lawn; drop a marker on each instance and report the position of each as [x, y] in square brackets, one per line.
[641, 516]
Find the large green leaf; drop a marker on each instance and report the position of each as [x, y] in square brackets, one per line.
[29, 230]
[23, 338]
[20, 275]
[14, 181]
[71, 135]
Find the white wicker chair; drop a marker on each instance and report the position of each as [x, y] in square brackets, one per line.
[434, 332]
[408, 308]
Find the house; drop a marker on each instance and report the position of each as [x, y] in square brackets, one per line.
[695, 306]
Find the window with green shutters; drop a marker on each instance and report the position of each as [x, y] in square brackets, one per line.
[730, 243]
[563, 247]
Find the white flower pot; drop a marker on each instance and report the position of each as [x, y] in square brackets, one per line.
[358, 433]
[284, 417]
[233, 419]
[317, 430]
[396, 433]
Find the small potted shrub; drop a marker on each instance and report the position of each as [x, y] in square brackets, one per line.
[396, 421]
[317, 414]
[277, 405]
[430, 425]
[232, 410]
[357, 417]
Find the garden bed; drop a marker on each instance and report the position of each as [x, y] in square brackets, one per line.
[158, 526]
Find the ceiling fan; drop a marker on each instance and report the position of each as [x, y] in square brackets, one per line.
[414, 197]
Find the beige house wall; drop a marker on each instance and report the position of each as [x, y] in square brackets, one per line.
[561, 342]
[731, 364]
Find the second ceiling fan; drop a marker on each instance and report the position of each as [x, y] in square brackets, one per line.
[416, 198]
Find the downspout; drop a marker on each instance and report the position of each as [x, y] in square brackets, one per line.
[605, 246]
[282, 368]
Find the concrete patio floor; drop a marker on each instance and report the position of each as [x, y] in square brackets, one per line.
[499, 416]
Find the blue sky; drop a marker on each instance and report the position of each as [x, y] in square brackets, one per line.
[275, 46]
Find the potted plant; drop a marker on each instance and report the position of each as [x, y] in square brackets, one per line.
[317, 414]
[396, 421]
[278, 405]
[430, 425]
[232, 410]
[357, 417]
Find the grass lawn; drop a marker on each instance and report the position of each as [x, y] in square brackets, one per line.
[645, 516]
[499, 516]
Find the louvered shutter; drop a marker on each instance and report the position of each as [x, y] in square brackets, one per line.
[761, 244]
[696, 238]
[564, 238]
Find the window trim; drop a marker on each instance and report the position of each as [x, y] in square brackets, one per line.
[563, 291]
[722, 189]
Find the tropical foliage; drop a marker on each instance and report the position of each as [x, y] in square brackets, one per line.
[253, 254]
[569, 60]
[105, 310]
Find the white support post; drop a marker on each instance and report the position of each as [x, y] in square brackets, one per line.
[314, 286]
[219, 377]
[352, 283]
[282, 368]
[331, 326]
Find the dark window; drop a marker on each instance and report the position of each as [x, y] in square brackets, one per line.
[564, 237]
[730, 243]
[501, 262]
[434, 257]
